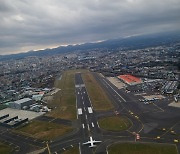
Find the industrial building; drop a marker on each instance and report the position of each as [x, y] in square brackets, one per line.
[19, 104]
[11, 122]
[129, 79]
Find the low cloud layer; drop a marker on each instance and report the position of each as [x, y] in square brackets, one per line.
[37, 24]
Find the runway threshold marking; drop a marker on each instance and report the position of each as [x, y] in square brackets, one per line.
[79, 111]
[92, 124]
[90, 110]
[83, 126]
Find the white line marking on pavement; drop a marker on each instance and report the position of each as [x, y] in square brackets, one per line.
[86, 117]
[98, 124]
[88, 127]
[92, 124]
[79, 148]
[83, 126]
[84, 109]
[82, 97]
[115, 91]
[90, 109]
[79, 111]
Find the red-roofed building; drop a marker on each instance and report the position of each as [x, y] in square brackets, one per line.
[129, 79]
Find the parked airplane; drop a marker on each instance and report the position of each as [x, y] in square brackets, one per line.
[91, 142]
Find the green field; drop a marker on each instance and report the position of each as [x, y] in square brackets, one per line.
[5, 149]
[114, 123]
[142, 148]
[74, 150]
[64, 106]
[99, 98]
[44, 130]
[65, 100]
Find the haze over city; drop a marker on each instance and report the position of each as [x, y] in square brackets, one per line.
[38, 24]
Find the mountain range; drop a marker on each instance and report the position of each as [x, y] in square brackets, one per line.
[134, 42]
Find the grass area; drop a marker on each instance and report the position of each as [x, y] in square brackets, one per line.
[74, 150]
[65, 99]
[114, 123]
[99, 98]
[142, 148]
[44, 130]
[5, 149]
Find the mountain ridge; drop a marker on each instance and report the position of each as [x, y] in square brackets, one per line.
[134, 42]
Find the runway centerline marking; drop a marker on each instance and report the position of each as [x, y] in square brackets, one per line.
[88, 127]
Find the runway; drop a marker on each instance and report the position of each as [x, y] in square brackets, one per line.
[147, 121]
[88, 122]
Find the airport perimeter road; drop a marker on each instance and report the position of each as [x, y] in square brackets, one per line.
[88, 122]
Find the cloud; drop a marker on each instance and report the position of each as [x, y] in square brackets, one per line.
[27, 25]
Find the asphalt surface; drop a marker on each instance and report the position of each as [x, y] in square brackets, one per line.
[151, 119]
[147, 120]
[20, 143]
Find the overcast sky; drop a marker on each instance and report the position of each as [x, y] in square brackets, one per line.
[37, 24]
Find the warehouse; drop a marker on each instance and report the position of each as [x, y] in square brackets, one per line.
[19, 104]
[129, 79]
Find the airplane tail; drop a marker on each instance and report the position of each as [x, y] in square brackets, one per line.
[92, 146]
